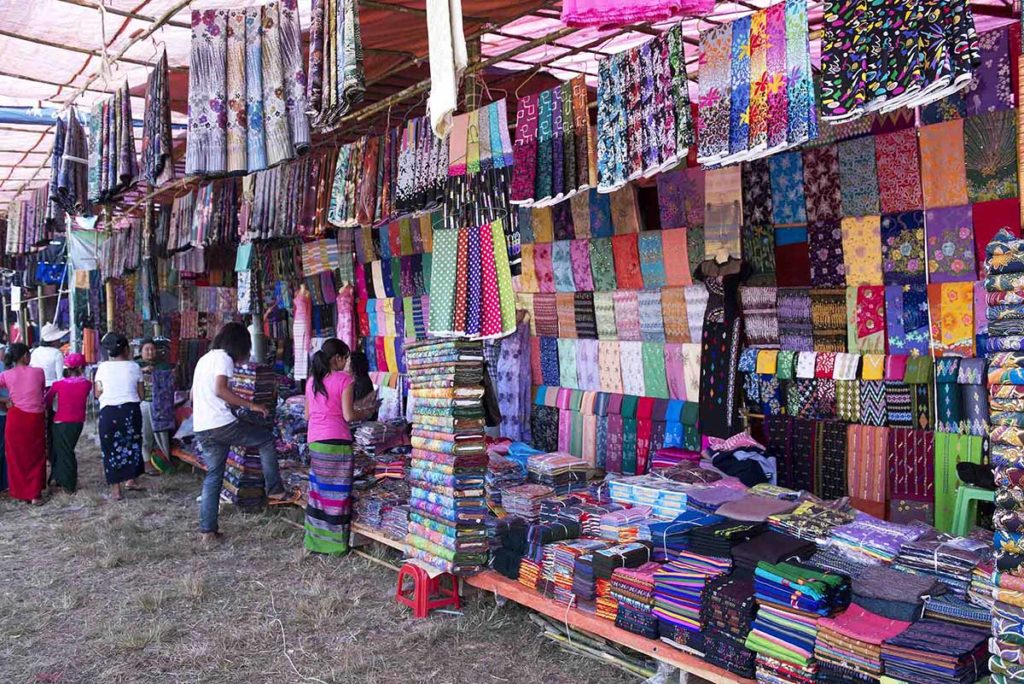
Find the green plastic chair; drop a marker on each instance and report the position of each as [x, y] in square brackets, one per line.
[966, 511]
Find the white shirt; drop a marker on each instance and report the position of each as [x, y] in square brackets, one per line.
[209, 411]
[51, 360]
[120, 381]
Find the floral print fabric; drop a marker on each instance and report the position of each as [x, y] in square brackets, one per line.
[858, 178]
[825, 244]
[950, 244]
[862, 250]
[822, 183]
[943, 175]
[903, 257]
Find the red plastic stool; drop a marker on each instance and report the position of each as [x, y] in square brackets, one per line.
[426, 593]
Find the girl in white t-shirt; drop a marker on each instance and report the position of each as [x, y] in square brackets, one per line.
[118, 386]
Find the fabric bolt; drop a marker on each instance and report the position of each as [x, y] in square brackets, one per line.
[652, 262]
[823, 195]
[652, 327]
[758, 246]
[604, 312]
[825, 245]
[952, 306]
[906, 319]
[579, 254]
[757, 193]
[561, 261]
[787, 185]
[677, 268]
[681, 197]
[610, 367]
[602, 265]
[627, 315]
[585, 316]
[632, 365]
[627, 262]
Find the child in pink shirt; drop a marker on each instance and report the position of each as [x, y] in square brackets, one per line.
[72, 394]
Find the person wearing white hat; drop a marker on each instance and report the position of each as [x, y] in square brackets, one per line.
[48, 355]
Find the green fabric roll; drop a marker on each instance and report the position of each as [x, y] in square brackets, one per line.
[506, 294]
[602, 265]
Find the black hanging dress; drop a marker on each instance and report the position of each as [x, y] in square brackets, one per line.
[720, 346]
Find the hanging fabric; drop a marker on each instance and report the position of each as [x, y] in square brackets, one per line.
[336, 80]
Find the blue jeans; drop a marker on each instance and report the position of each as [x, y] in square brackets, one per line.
[216, 444]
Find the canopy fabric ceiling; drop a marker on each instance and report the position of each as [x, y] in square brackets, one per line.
[52, 51]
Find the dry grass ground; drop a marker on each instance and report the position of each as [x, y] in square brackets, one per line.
[96, 591]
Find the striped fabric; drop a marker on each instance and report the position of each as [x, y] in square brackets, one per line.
[329, 508]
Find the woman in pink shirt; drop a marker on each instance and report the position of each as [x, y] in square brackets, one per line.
[72, 394]
[328, 410]
[25, 433]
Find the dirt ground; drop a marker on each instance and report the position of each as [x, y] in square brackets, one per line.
[98, 591]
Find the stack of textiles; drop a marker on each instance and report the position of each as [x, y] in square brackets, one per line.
[669, 457]
[894, 594]
[448, 468]
[243, 479]
[1004, 264]
[811, 521]
[502, 473]
[665, 498]
[631, 555]
[291, 429]
[876, 540]
[691, 473]
[719, 539]
[624, 525]
[249, 119]
[529, 573]
[584, 584]
[566, 557]
[951, 560]
[542, 542]
[585, 514]
[726, 616]
[755, 508]
[743, 457]
[524, 500]
[562, 472]
[771, 547]
[849, 645]
[982, 586]
[933, 652]
[633, 589]
[708, 499]
[391, 464]
[774, 671]
[790, 599]
[678, 587]
[670, 537]
[831, 559]
[256, 383]
[377, 437]
[510, 547]
[395, 521]
[949, 608]
[372, 505]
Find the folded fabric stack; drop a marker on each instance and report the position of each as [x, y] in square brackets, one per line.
[849, 645]
[631, 555]
[562, 472]
[243, 483]
[893, 594]
[624, 525]
[378, 438]
[371, 505]
[708, 499]
[982, 586]
[670, 457]
[502, 473]
[524, 500]
[774, 671]
[771, 547]
[691, 473]
[666, 499]
[566, 556]
[529, 573]
[719, 539]
[678, 587]
[395, 521]
[727, 612]
[255, 382]
[553, 505]
[540, 536]
[790, 598]
[931, 652]
[1004, 264]
[670, 538]
[755, 508]
[449, 463]
[832, 559]
[875, 540]
[951, 560]
[586, 515]
[811, 521]
[633, 590]
[584, 584]
[1007, 639]
[950, 608]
